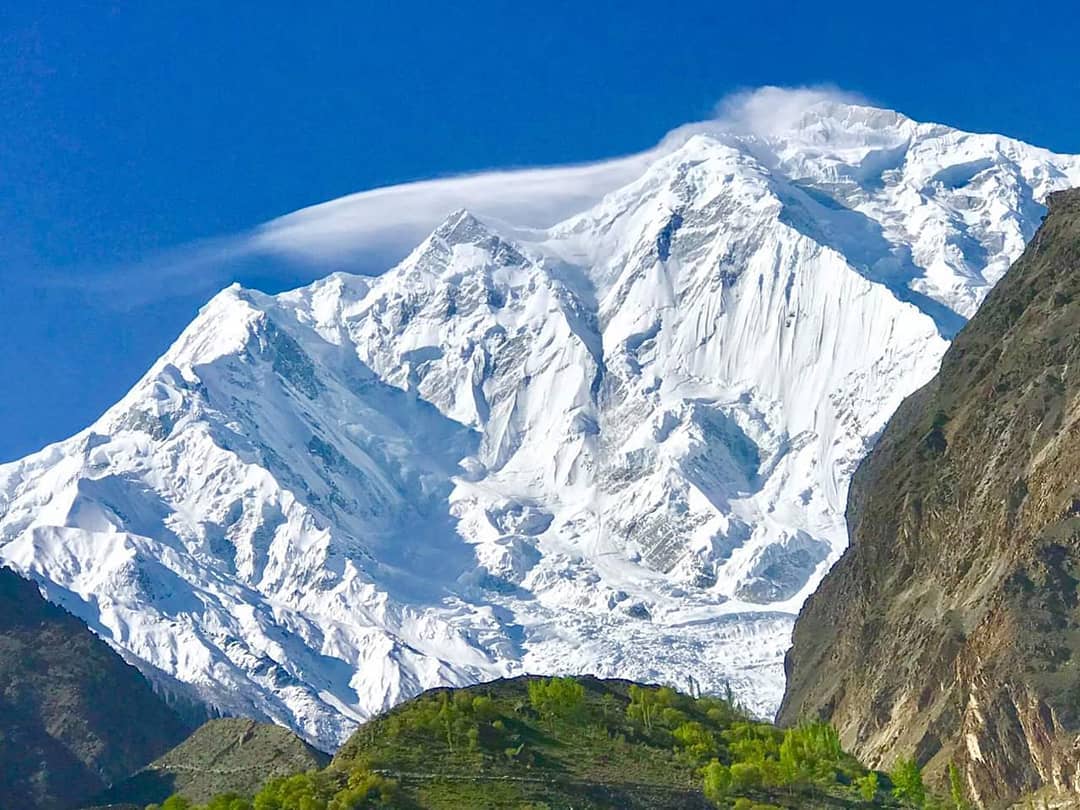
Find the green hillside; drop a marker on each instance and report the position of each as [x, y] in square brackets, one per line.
[580, 743]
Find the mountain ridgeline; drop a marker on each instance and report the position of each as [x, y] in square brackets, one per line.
[950, 629]
[73, 716]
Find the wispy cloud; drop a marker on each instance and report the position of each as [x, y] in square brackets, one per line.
[388, 222]
[394, 216]
[773, 110]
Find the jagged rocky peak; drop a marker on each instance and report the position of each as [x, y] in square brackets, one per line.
[948, 629]
[462, 228]
[620, 445]
[462, 240]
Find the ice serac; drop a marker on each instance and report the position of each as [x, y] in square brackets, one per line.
[621, 445]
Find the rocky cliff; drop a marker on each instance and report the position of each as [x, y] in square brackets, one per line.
[950, 629]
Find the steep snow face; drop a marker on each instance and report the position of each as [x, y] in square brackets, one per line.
[621, 445]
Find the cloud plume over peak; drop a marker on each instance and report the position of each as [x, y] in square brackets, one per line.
[401, 215]
[772, 110]
[528, 198]
[370, 230]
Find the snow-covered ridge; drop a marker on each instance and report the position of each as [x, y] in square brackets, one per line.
[620, 445]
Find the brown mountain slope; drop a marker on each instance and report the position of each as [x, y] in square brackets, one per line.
[73, 716]
[951, 627]
[230, 755]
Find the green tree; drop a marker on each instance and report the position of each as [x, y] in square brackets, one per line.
[867, 786]
[753, 742]
[907, 782]
[304, 791]
[483, 708]
[652, 707]
[743, 803]
[747, 775]
[670, 717]
[608, 707]
[365, 789]
[643, 706]
[558, 698]
[666, 697]
[811, 751]
[228, 801]
[696, 741]
[717, 781]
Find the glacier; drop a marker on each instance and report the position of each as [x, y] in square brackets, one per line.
[618, 445]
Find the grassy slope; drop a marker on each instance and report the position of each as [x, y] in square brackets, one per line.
[601, 759]
[562, 762]
[223, 756]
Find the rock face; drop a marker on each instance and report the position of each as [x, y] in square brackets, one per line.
[950, 629]
[620, 445]
[73, 716]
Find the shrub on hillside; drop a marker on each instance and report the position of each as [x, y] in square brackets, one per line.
[557, 699]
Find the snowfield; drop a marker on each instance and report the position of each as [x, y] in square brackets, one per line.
[619, 445]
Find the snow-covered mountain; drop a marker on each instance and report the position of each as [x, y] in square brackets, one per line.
[619, 445]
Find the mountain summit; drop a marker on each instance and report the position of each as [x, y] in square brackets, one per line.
[621, 445]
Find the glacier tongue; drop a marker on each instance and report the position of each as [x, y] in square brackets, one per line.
[620, 445]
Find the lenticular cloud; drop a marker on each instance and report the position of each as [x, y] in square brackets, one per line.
[398, 216]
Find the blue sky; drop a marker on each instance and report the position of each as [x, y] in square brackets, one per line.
[127, 129]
